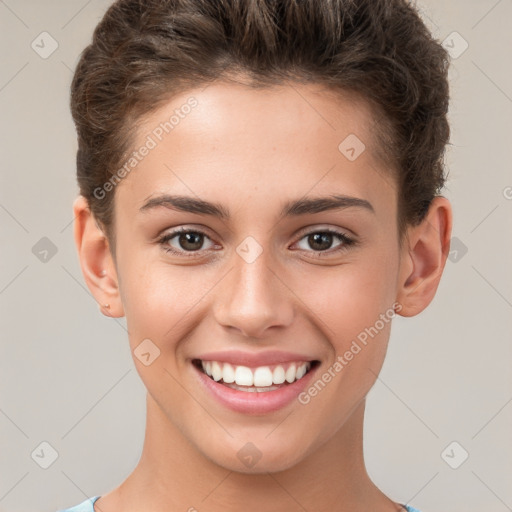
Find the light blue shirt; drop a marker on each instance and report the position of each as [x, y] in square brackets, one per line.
[88, 506]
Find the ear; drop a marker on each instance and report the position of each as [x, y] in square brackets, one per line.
[96, 261]
[425, 251]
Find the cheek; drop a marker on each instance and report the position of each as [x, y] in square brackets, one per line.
[355, 313]
[158, 298]
[349, 298]
[353, 305]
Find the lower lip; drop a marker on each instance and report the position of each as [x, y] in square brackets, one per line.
[247, 402]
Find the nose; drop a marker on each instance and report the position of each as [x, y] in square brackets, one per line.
[254, 298]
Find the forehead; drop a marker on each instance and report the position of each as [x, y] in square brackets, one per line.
[225, 108]
[294, 137]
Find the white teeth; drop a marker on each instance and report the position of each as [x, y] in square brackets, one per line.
[228, 373]
[291, 373]
[252, 389]
[278, 376]
[261, 378]
[216, 371]
[244, 376]
[301, 371]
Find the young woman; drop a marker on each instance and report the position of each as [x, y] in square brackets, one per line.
[259, 196]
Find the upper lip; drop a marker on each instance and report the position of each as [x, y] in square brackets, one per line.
[254, 359]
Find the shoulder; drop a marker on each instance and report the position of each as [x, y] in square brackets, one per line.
[85, 506]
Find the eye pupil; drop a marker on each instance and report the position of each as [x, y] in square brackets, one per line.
[190, 238]
[320, 239]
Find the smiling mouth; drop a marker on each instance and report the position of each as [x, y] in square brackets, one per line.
[260, 379]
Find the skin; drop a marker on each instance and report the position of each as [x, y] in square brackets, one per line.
[251, 150]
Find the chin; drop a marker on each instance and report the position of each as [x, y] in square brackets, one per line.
[258, 457]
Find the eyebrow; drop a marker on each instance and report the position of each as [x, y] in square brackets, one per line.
[290, 208]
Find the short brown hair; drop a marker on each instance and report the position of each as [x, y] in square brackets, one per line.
[145, 51]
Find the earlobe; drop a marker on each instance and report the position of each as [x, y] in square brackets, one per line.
[424, 257]
[96, 260]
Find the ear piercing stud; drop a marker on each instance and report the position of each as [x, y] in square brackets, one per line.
[103, 272]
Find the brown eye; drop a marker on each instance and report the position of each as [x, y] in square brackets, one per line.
[190, 241]
[184, 241]
[322, 240]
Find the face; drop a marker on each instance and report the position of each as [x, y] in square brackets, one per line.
[262, 276]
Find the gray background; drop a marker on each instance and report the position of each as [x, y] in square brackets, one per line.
[66, 374]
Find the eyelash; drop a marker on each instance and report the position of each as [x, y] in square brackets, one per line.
[347, 242]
